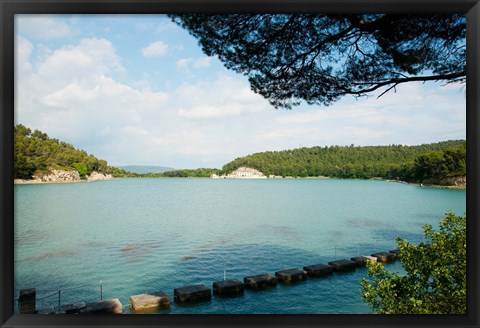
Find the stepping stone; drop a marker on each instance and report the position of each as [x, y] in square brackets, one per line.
[318, 270]
[371, 258]
[343, 265]
[148, 302]
[71, 308]
[260, 281]
[291, 275]
[26, 301]
[192, 293]
[385, 256]
[103, 307]
[395, 251]
[228, 287]
[361, 261]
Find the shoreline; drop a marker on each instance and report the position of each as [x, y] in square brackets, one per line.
[425, 184]
[31, 182]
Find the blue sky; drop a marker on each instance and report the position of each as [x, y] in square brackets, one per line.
[137, 89]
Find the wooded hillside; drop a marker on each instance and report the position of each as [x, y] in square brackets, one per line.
[36, 152]
[409, 163]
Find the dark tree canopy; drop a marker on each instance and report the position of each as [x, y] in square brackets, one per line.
[320, 58]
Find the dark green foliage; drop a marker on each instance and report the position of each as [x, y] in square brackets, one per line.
[390, 162]
[435, 279]
[37, 152]
[320, 58]
[145, 169]
[196, 173]
[440, 164]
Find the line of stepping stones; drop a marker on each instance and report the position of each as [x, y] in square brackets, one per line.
[225, 288]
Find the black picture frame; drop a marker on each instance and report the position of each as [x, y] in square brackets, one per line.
[9, 8]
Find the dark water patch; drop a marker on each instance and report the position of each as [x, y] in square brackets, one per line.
[285, 232]
[203, 249]
[188, 257]
[389, 235]
[30, 237]
[93, 244]
[49, 255]
[430, 216]
[366, 223]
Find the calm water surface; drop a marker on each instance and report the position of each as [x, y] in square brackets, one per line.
[147, 235]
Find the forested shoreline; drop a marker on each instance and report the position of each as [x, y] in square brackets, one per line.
[407, 163]
[36, 154]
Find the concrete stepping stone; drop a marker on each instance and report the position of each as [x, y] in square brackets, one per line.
[291, 275]
[260, 281]
[112, 306]
[318, 270]
[343, 265]
[385, 257]
[149, 302]
[192, 293]
[228, 287]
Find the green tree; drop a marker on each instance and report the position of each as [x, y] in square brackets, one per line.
[321, 58]
[81, 168]
[435, 279]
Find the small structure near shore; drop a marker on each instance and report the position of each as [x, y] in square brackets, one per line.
[395, 251]
[291, 275]
[241, 173]
[192, 293]
[230, 287]
[385, 257]
[27, 301]
[343, 265]
[318, 270]
[260, 281]
[362, 260]
[112, 306]
[148, 302]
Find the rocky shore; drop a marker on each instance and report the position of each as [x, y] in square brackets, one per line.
[64, 176]
[458, 182]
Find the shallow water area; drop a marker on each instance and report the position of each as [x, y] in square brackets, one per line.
[132, 236]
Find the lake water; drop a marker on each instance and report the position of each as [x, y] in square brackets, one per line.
[147, 235]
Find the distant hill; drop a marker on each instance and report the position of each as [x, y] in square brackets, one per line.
[145, 169]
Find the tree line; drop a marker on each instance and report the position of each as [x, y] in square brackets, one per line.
[407, 163]
[35, 152]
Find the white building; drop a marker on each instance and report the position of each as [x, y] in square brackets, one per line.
[246, 173]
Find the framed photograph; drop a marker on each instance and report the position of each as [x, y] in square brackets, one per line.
[224, 163]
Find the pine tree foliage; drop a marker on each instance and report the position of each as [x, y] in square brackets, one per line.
[290, 58]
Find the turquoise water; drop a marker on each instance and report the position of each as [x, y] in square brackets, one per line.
[147, 235]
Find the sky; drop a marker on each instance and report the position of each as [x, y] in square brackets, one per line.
[138, 90]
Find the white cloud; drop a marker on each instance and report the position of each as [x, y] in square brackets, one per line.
[223, 98]
[184, 64]
[155, 49]
[89, 57]
[43, 26]
[71, 95]
[23, 50]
